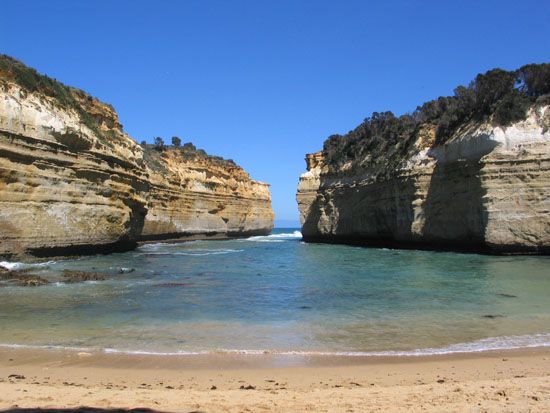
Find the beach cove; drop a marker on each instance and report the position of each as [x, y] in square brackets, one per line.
[164, 248]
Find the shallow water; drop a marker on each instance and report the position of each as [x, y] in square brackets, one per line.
[279, 294]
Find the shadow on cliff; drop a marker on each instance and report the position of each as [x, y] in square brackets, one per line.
[377, 214]
[390, 213]
[310, 225]
[455, 214]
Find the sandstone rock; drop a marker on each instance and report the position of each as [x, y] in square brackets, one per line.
[72, 182]
[192, 194]
[71, 277]
[485, 189]
[22, 278]
[66, 186]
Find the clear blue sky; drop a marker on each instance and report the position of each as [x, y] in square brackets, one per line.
[264, 82]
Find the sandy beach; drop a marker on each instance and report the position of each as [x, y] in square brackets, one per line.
[510, 381]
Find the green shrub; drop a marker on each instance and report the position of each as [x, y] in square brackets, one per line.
[383, 139]
[32, 81]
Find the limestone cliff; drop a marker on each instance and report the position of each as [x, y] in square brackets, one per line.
[72, 182]
[484, 187]
[191, 193]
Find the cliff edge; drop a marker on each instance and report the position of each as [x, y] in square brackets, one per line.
[467, 172]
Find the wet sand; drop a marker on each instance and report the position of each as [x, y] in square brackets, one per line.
[514, 381]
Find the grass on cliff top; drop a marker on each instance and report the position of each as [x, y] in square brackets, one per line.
[32, 81]
[383, 141]
[152, 155]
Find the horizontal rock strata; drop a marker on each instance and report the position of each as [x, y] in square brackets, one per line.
[191, 194]
[62, 189]
[485, 189]
[72, 182]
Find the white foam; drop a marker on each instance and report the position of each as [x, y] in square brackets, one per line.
[46, 347]
[22, 265]
[157, 245]
[195, 252]
[156, 353]
[275, 237]
[487, 344]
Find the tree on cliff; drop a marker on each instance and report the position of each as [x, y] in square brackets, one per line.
[497, 96]
[189, 147]
[159, 143]
[534, 79]
[176, 141]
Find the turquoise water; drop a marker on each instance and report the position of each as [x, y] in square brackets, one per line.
[279, 294]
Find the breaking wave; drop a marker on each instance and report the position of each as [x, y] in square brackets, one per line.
[486, 344]
[275, 237]
[193, 252]
[23, 265]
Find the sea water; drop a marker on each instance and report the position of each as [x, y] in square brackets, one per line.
[277, 294]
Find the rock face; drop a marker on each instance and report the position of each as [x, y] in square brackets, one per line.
[486, 188]
[72, 182]
[194, 194]
[63, 188]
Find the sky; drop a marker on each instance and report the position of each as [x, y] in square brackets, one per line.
[265, 82]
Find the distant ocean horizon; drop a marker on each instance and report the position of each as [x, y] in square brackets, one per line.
[276, 294]
[287, 223]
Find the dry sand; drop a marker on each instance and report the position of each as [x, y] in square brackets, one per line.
[512, 381]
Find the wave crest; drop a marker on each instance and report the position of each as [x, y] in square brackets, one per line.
[275, 237]
[22, 265]
[487, 344]
[193, 252]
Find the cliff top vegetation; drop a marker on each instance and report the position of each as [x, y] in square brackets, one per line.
[384, 139]
[77, 99]
[65, 96]
[153, 153]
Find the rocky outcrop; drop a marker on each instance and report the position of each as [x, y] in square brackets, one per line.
[191, 194]
[65, 189]
[486, 188]
[72, 182]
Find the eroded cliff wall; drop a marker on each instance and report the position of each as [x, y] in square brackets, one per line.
[195, 194]
[72, 182]
[65, 189]
[486, 188]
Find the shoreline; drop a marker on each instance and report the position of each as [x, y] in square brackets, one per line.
[93, 358]
[513, 380]
[458, 349]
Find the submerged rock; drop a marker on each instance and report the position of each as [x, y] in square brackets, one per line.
[172, 284]
[26, 278]
[70, 276]
[22, 278]
[492, 316]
